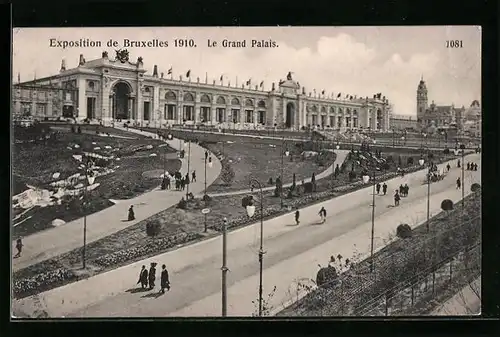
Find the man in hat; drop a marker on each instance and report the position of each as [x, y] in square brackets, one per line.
[165, 282]
[143, 277]
[131, 214]
[152, 275]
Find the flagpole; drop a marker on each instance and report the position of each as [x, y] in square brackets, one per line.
[206, 77]
[236, 81]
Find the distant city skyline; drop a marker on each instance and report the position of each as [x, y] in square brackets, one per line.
[358, 61]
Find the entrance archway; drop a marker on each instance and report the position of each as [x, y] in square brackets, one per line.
[290, 114]
[121, 101]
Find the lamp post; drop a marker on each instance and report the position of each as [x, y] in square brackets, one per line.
[462, 149]
[283, 153]
[89, 174]
[205, 193]
[430, 164]
[373, 222]
[189, 162]
[224, 268]
[250, 212]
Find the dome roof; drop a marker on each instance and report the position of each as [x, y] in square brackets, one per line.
[290, 84]
[422, 86]
[475, 104]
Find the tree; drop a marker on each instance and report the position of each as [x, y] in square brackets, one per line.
[294, 184]
[475, 188]
[227, 174]
[313, 181]
[279, 187]
[403, 231]
[153, 228]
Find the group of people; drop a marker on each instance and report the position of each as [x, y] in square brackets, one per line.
[471, 166]
[384, 188]
[147, 278]
[180, 181]
[403, 190]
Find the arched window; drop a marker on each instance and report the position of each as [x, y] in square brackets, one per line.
[235, 101]
[188, 97]
[341, 111]
[248, 102]
[205, 98]
[323, 109]
[170, 96]
[314, 108]
[348, 111]
[147, 89]
[355, 112]
[221, 100]
[332, 110]
[261, 104]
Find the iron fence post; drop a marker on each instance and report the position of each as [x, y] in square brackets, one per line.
[451, 269]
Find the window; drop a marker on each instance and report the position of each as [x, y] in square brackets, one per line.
[355, 122]
[188, 97]
[68, 96]
[249, 116]
[261, 104]
[323, 120]
[420, 109]
[205, 99]
[235, 113]
[235, 101]
[205, 114]
[169, 112]
[323, 110]
[348, 122]
[262, 117]
[26, 108]
[314, 109]
[188, 113]
[248, 102]
[41, 108]
[170, 96]
[339, 122]
[221, 100]
[221, 115]
[332, 110]
[332, 121]
[314, 120]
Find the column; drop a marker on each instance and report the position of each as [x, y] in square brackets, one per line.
[180, 107]
[156, 105]
[138, 108]
[351, 116]
[213, 111]
[366, 115]
[373, 116]
[255, 114]
[197, 116]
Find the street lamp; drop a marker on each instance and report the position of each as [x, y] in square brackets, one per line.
[224, 268]
[189, 161]
[89, 174]
[250, 208]
[462, 149]
[204, 194]
[373, 222]
[286, 153]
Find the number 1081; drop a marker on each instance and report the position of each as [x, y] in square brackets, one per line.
[454, 44]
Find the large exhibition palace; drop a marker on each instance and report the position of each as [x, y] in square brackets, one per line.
[106, 89]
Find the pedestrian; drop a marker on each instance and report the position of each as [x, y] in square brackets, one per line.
[183, 184]
[448, 167]
[337, 171]
[210, 161]
[193, 176]
[384, 188]
[152, 275]
[459, 183]
[143, 277]
[186, 179]
[378, 188]
[297, 215]
[475, 167]
[396, 198]
[19, 247]
[164, 281]
[167, 182]
[177, 184]
[406, 188]
[206, 155]
[131, 214]
[458, 163]
[401, 190]
[322, 214]
[468, 166]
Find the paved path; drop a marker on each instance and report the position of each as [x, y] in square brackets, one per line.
[293, 252]
[341, 156]
[55, 241]
[464, 303]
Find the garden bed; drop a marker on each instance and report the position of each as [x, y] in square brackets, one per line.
[449, 234]
[36, 162]
[259, 158]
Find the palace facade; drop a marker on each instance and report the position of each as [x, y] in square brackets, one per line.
[107, 90]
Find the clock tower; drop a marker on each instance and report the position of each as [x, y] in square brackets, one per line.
[421, 100]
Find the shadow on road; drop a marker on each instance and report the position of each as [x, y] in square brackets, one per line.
[135, 290]
[153, 295]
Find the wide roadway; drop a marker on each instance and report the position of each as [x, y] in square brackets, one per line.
[292, 254]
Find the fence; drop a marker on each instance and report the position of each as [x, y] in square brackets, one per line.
[411, 296]
[387, 288]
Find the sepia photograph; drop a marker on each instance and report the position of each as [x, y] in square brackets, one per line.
[246, 172]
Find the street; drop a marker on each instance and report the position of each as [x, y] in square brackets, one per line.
[292, 253]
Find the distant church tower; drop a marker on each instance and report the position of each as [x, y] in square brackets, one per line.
[422, 102]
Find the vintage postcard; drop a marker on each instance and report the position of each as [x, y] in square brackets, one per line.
[246, 171]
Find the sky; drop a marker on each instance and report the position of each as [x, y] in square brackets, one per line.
[358, 61]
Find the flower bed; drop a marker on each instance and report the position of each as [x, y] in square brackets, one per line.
[154, 246]
[42, 282]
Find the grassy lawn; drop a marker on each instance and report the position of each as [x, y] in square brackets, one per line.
[258, 158]
[404, 258]
[35, 164]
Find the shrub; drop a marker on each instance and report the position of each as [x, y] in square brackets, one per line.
[446, 151]
[308, 187]
[410, 161]
[403, 231]
[289, 194]
[475, 188]
[79, 130]
[227, 174]
[447, 205]
[182, 204]
[153, 228]
[247, 201]
[41, 282]
[207, 198]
